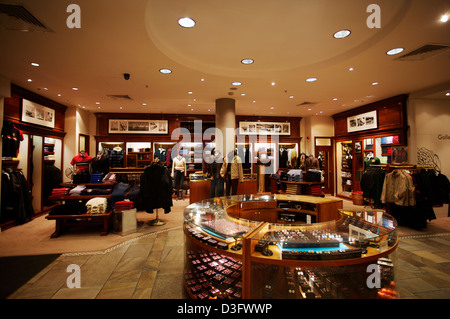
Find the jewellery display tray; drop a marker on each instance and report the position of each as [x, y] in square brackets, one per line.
[228, 256]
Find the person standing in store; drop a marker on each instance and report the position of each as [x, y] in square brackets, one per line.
[232, 172]
[213, 171]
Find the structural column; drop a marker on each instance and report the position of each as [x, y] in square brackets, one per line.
[225, 125]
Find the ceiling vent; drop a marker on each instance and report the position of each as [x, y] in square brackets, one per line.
[16, 17]
[424, 52]
[119, 96]
[306, 103]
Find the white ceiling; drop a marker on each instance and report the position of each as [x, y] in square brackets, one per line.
[289, 40]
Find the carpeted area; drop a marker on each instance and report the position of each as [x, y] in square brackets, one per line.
[16, 271]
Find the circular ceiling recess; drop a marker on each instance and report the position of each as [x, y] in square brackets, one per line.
[226, 32]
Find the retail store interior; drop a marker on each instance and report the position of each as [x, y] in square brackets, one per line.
[264, 150]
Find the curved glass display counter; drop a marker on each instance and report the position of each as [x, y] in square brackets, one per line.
[232, 251]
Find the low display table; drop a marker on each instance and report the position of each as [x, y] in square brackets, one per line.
[64, 221]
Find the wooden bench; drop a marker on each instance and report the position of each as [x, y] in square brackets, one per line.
[64, 221]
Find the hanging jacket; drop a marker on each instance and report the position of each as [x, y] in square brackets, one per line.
[398, 188]
[156, 189]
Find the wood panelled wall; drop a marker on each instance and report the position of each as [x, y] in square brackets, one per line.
[391, 115]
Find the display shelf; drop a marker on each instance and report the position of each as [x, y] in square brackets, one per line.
[320, 260]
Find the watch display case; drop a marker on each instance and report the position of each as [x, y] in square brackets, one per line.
[228, 256]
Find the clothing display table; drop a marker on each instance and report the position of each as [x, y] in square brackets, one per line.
[231, 257]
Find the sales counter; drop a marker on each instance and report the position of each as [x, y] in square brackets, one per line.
[238, 247]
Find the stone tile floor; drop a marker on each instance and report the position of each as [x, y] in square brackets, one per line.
[151, 267]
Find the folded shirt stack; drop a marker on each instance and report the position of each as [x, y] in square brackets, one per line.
[96, 178]
[59, 191]
[97, 205]
[123, 205]
[77, 190]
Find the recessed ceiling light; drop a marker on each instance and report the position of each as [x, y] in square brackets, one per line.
[335, 99]
[444, 18]
[192, 109]
[59, 94]
[121, 107]
[341, 34]
[34, 64]
[165, 71]
[291, 97]
[394, 51]
[30, 80]
[271, 107]
[236, 83]
[242, 94]
[144, 104]
[350, 69]
[309, 109]
[203, 80]
[311, 79]
[209, 110]
[247, 61]
[189, 92]
[75, 89]
[374, 83]
[186, 22]
[273, 83]
[447, 94]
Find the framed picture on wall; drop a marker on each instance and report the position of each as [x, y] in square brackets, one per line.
[362, 122]
[37, 114]
[399, 155]
[264, 128]
[119, 126]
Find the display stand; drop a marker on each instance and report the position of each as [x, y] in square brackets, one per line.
[157, 221]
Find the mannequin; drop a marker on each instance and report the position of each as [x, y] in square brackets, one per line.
[232, 172]
[179, 172]
[213, 171]
[81, 161]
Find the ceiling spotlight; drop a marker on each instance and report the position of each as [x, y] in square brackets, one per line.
[34, 64]
[30, 80]
[444, 18]
[273, 83]
[75, 89]
[374, 83]
[394, 51]
[311, 79]
[236, 83]
[186, 22]
[165, 71]
[341, 34]
[190, 92]
[447, 94]
[350, 69]
[247, 61]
